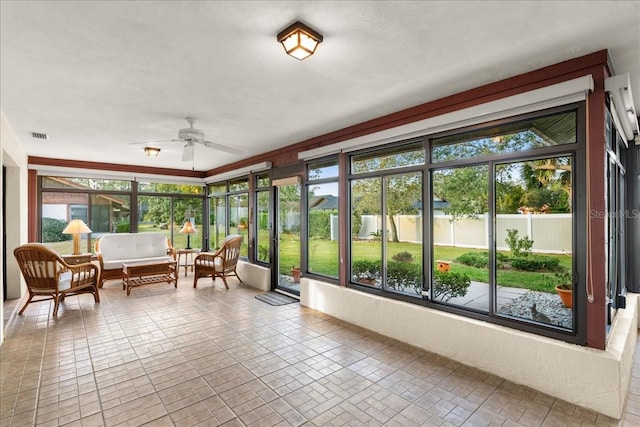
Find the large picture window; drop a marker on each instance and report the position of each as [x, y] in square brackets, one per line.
[117, 206]
[165, 208]
[103, 204]
[500, 221]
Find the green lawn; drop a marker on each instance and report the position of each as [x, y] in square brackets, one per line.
[323, 256]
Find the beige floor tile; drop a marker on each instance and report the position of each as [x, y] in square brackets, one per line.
[211, 356]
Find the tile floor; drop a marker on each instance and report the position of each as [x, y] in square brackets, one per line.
[211, 356]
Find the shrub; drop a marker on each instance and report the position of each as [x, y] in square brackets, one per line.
[403, 256]
[474, 259]
[52, 230]
[320, 224]
[123, 227]
[520, 247]
[263, 253]
[377, 235]
[481, 259]
[564, 279]
[366, 269]
[535, 263]
[447, 285]
[403, 275]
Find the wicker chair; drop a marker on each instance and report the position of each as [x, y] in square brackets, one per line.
[221, 263]
[48, 276]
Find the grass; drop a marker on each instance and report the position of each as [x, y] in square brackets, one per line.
[323, 259]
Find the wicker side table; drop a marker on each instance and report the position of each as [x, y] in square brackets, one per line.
[144, 273]
[189, 255]
[76, 259]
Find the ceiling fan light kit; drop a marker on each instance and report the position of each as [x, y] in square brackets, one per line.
[151, 151]
[189, 137]
[191, 133]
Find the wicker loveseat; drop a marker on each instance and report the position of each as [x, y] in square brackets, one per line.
[115, 249]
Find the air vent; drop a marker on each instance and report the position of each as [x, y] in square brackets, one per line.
[39, 135]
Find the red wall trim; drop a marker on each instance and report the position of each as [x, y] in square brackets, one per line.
[76, 164]
[596, 311]
[32, 206]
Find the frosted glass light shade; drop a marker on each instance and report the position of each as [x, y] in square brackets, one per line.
[299, 40]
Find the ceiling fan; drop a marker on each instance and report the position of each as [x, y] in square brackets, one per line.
[190, 137]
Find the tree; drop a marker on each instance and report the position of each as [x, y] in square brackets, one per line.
[465, 189]
[157, 209]
[548, 181]
[403, 192]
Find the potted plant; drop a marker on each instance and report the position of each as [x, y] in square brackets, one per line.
[564, 287]
[295, 273]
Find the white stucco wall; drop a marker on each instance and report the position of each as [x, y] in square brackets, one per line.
[14, 158]
[254, 275]
[590, 378]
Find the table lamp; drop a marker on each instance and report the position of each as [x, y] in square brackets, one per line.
[188, 229]
[76, 227]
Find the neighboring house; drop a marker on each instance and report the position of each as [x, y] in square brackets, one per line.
[106, 210]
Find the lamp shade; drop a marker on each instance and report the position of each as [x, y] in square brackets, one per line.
[188, 228]
[299, 40]
[76, 226]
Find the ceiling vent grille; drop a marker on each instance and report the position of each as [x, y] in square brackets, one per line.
[39, 135]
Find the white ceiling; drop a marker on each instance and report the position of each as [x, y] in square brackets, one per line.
[97, 75]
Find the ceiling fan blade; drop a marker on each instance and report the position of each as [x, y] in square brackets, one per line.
[188, 152]
[152, 142]
[221, 147]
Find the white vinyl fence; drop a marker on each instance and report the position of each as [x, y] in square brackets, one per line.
[551, 233]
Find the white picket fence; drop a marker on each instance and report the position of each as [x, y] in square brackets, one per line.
[551, 233]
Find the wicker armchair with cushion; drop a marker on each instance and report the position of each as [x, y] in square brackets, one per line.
[49, 277]
[221, 263]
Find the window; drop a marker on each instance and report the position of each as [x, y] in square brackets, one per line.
[508, 138]
[534, 239]
[616, 218]
[386, 220]
[164, 208]
[229, 212]
[500, 221]
[263, 219]
[460, 224]
[322, 218]
[104, 205]
[85, 183]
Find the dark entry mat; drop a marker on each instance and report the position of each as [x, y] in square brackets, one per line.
[275, 298]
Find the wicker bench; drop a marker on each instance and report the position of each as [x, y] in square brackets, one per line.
[114, 250]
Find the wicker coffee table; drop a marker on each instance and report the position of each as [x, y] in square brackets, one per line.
[147, 273]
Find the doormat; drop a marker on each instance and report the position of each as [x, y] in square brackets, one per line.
[275, 298]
